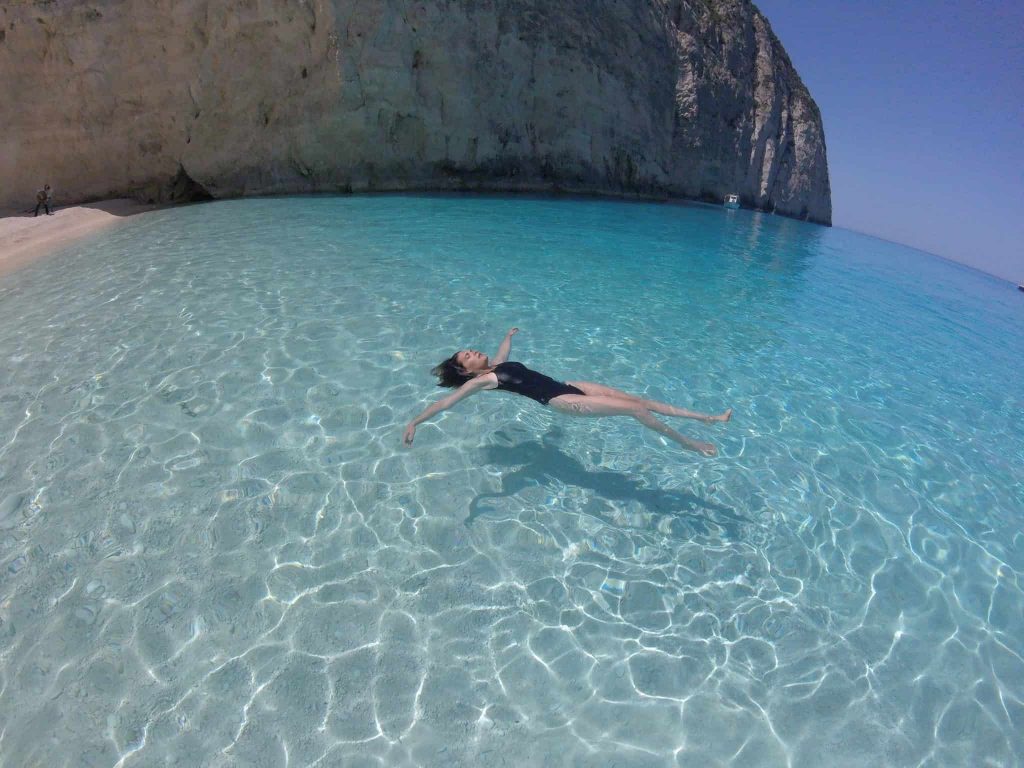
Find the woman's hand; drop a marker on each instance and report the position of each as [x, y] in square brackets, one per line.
[512, 333]
[410, 433]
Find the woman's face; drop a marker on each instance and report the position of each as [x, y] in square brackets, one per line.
[472, 361]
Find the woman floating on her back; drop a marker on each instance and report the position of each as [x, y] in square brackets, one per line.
[471, 371]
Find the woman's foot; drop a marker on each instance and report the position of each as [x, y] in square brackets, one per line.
[707, 449]
[720, 417]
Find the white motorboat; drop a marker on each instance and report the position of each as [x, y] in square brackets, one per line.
[732, 202]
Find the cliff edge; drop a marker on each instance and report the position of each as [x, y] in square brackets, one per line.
[181, 99]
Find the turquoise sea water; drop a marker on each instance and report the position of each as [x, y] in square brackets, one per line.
[214, 550]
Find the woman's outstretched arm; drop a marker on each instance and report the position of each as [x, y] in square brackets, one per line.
[505, 348]
[469, 388]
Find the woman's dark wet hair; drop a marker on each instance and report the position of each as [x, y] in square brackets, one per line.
[450, 374]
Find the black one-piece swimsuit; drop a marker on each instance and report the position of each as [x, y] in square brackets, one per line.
[516, 377]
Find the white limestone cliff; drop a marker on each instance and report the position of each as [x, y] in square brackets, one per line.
[177, 99]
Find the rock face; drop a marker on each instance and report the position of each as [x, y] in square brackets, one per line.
[178, 99]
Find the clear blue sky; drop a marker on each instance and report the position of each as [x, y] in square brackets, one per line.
[923, 104]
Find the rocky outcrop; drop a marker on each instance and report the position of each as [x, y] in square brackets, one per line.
[180, 99]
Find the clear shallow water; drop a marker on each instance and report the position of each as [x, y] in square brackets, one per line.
[214, 551]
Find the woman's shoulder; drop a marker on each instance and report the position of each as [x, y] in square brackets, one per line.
[489, 380]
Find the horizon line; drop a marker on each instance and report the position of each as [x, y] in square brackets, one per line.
[963, 264]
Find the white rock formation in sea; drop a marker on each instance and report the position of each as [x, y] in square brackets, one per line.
[177, 99]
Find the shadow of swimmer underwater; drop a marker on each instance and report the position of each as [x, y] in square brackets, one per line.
[533, 463]
[469, 371]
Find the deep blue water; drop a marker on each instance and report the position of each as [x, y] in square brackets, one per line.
[215, 551]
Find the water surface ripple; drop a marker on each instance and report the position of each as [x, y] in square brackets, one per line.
[215, 552]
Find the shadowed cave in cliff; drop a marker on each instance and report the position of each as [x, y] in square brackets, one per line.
[184, 189]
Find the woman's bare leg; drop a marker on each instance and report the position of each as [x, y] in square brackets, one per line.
[600, 390]
[602, 405]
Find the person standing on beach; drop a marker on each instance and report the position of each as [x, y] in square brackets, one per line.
[44, 197]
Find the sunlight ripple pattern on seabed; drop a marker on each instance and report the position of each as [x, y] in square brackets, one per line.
[215, 551]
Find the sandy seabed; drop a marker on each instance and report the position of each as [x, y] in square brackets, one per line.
[25, 238]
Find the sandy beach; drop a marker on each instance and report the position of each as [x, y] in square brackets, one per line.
[25, 238]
